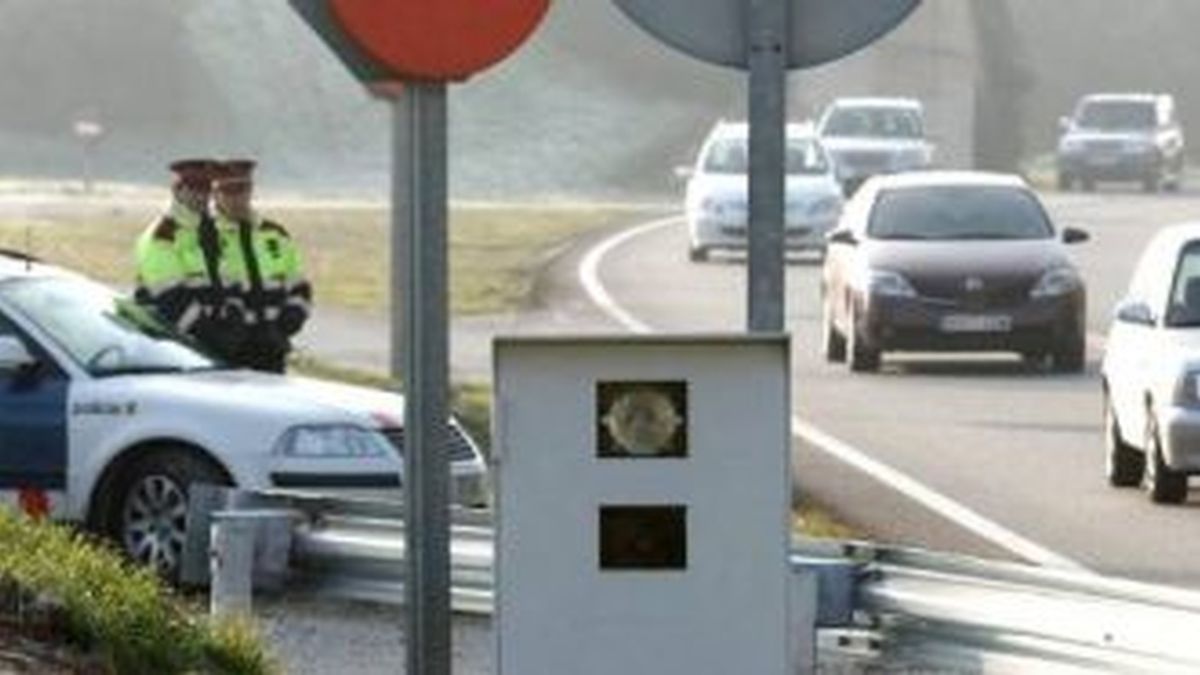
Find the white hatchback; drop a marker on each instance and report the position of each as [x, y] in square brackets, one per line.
[1152, 371]
[717, 200]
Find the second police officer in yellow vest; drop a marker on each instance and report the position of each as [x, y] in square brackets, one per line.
[262, 271]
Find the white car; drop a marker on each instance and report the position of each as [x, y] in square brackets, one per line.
[717, 199]
[1152, 371]
[107, 418]
[871, 136]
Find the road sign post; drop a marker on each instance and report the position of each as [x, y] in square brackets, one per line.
[421, 223]
[766, 38]
[385, 42]
[768, 119]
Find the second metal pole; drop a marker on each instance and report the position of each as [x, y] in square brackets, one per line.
[767, 24]
[420, 194]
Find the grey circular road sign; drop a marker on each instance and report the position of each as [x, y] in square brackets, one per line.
[819, 30]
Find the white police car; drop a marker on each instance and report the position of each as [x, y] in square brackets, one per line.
[107, 418]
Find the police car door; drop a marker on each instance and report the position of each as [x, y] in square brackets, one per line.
[33, 426]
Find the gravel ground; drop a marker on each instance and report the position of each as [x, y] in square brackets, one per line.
[312, 637]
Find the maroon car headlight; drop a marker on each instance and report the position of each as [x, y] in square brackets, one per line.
[1056, 282]
[885, 283]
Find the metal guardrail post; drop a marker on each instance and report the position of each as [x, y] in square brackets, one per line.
[249, 549]
[232, 560]
[804, 587]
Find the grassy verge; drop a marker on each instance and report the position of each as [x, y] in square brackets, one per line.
[472, 403]
[811, 520]
[492, 250]
[123, 614]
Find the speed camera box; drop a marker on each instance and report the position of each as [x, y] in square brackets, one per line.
[643, 494]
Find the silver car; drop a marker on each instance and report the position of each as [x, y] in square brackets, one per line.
[1122, 137]
[717, 197]
[871, 136]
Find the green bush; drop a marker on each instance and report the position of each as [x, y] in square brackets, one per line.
[120, 612]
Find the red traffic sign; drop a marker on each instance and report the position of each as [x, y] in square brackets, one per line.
[438, 40]
[819, 31]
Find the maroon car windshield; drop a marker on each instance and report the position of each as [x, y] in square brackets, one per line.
[960, 212]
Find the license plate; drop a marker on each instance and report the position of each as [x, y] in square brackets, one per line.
[976, 323]
[1105, 160]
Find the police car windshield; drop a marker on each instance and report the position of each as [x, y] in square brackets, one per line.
[106, 333]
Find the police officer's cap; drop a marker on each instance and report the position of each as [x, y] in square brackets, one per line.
[197, 173]
[235, 173]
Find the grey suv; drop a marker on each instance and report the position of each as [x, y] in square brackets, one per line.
[1122, 137]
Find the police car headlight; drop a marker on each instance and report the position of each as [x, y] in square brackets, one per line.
[882, 283]
[332, 442]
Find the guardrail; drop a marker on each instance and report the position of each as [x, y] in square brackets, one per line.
[877, 606]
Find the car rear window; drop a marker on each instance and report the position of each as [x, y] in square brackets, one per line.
[958, 213]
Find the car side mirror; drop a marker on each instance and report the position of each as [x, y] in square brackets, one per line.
[842, 237]
[1064, 124]
[1135, 312]
[1074, 235]
[683, 172]
[14, 357]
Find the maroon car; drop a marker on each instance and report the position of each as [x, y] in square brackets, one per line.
[951, 261]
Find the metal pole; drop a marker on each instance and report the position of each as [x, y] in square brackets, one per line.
[421, 149]
[768, 111]
[402, 187]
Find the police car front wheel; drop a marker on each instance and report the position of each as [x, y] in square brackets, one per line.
[148, 517]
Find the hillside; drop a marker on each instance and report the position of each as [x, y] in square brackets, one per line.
[590, 108]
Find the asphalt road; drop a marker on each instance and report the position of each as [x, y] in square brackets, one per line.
[978, 454]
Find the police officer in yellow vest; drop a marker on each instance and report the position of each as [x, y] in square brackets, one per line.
[178, 261]
[261, 270]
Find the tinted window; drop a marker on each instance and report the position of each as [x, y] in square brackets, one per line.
[958, 212]
[1184, 309]
[1115, 115]
[874, 123]
[732, 156]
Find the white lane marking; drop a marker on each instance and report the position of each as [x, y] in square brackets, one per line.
[589, 277]
[971, 520]
[589, 274]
